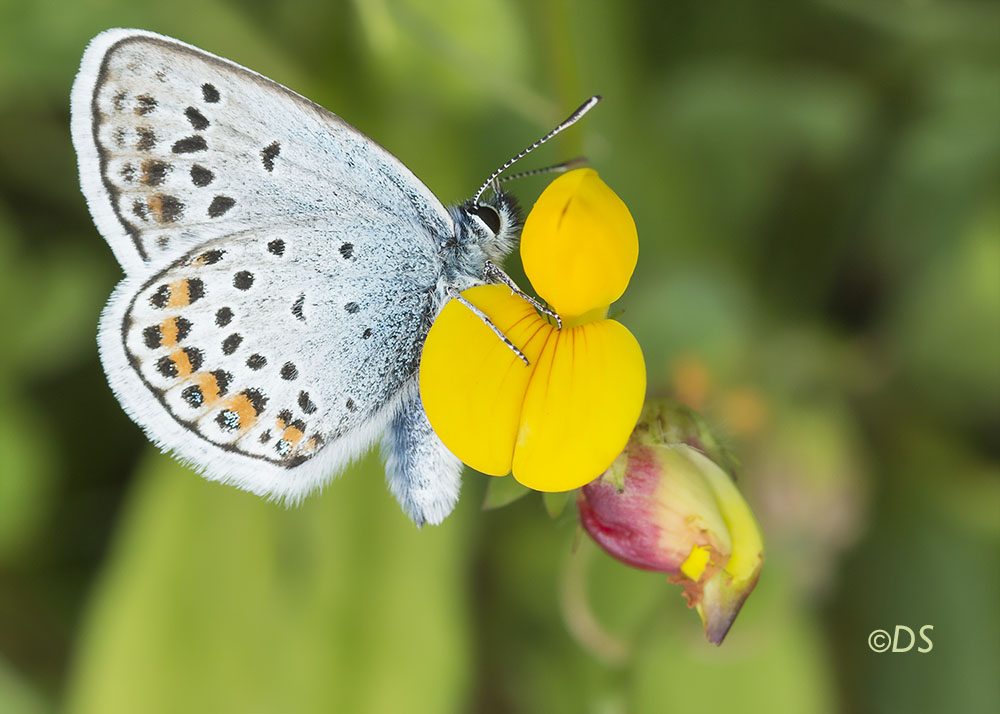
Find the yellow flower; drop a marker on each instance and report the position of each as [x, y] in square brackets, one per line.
[579, 245]
[561, 420]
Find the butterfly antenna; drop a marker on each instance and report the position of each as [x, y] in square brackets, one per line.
[565, 124]
[558, 168]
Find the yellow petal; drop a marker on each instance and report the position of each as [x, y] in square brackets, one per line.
[582, 402]
[726, 591]
[472, 385]
[579, 245]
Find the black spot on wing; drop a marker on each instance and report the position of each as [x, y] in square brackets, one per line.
[146, 140]
[268, 155]
[366, 334]
[350, 405]
[139, 209]
[277, 247]
[166, 208]
[347, 250]
[195, 356]
[160, 298]
[154, 172]
[166, 367]
[305, 403]
[183, 327]
[151, 336]
[256, 398]
[193, 396]
[228, 420]
[197, 119]
[232, 342]
[352, 307]
[289, 371]
[145, 104]
[297, 307]
[219, 205]
[189, 145]
[243, 280]
[196, 289]
[256, 361]
[209, 93]
[200, 176]
[223, 316]
[210, 257]
[222, 380]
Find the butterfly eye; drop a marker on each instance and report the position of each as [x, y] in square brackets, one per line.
[489, 216]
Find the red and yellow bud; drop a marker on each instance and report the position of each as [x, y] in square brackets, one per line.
[666, 506]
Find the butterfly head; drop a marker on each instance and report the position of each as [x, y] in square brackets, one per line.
[493, 224]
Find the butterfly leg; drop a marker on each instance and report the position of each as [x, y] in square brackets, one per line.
[489, 323]
[422, 474]
[493, 273]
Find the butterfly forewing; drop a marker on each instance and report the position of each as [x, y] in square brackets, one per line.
[281, 266]
[178, 146]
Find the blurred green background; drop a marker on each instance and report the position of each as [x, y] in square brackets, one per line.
[817, 191]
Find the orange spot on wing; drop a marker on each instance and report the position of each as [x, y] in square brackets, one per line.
[292, 435]
[209, 386]
[165, 209]
[155, 204]
[168, 332]
[182, 363]
[179, 294]
[154, 171]
[243, 408]
[311, 446]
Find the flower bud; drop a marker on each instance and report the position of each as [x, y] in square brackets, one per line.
[666, 506]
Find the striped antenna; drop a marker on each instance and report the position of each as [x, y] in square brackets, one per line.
[565, 124]
[557, 169]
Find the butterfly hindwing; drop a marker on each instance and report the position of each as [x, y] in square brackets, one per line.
[281, 268]
[267, 383]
